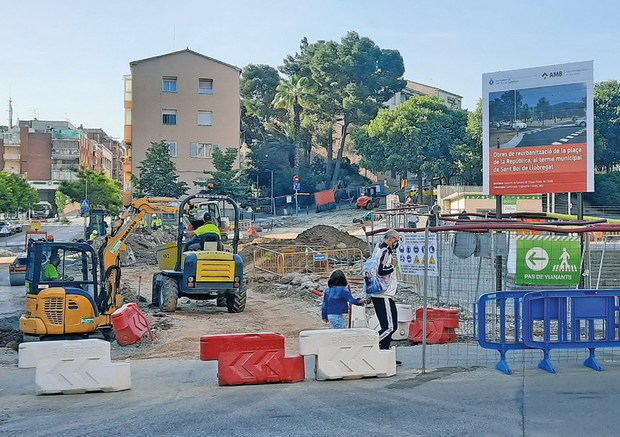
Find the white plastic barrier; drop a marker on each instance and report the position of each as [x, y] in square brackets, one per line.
[360, 319]
[74, 366]
[32, 352]
[347, 353]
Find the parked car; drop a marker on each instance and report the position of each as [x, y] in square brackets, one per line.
[16, 227]
[494, 124]
[17, 270]
[518, 125]
[581, 122]
[506, 124]
[5, 229]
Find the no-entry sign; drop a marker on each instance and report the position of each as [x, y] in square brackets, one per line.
[548, 260]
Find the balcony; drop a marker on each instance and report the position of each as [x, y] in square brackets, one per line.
[66, 167]
[63, 175]
[65, 153]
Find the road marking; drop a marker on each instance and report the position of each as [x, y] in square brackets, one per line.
[555, 143]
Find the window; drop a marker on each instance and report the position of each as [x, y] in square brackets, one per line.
[169, 84]
[205, 86]
[205, 118]
[128, 117]
[172, 148]
[201, 150]
[66, 265]
[169, 116]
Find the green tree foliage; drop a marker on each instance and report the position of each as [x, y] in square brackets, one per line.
[291, 94]
[158, 175]
[421, 136]
[96, 186]
[258, 89]
[351, 80]
[227, 180]
[607, 124]
[61, 200]
[16, 194]
[607, 189]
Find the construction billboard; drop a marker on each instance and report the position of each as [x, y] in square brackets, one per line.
[537, 130]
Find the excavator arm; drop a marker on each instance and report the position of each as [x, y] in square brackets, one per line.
[129, 220]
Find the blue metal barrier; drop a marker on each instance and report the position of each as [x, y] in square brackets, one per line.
[510, 328]
[568, 309]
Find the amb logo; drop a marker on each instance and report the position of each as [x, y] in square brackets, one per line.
[545, 75]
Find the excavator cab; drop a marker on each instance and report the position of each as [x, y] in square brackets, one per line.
[201, 268]
[65, 292]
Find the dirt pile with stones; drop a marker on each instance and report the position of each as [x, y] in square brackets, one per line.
[331, 238]
[142, 246]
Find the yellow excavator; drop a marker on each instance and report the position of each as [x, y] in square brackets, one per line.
[72, 288]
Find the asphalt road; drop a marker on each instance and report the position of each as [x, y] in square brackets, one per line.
[181, 398]
[61, 232]
[555, 135]
[12, 298]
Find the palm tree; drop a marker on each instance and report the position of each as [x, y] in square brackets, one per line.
[290, 94]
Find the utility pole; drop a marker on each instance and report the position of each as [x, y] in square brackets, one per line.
[273, 201]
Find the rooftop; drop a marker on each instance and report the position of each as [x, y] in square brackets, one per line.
[187, 50]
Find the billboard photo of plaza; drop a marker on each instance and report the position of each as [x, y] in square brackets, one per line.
[541, 116]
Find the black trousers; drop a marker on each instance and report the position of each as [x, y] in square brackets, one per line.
[385, 308]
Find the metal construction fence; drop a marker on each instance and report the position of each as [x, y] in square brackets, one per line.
[282, 260]
[474, 257]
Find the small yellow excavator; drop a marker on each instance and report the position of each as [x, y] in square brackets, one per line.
[72, 288]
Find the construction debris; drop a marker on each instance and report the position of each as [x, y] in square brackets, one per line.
[143, 245]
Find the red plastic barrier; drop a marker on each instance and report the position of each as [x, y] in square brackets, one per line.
[211, 346]
[440, 326]
[259, 367]
[251, 358]
[130, 324]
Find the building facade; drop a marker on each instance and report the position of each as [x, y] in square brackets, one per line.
[188, 100]
[413, 89]
[48, 152]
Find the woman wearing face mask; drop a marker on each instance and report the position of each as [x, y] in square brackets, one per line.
[385, 307]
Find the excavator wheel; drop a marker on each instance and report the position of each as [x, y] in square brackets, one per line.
[168, 294]
[235, 302]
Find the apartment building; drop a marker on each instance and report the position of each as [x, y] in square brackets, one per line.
[188, 100]
[112, 160]
[413, 89]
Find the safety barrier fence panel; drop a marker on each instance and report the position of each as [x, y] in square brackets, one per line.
[561, 319]
[498, 324]
[285, 260]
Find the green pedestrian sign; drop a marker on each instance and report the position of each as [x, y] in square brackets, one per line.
[548, 260]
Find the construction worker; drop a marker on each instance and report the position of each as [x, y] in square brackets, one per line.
[200, 228]
[93, 235]
[156, 222]
[50, 270]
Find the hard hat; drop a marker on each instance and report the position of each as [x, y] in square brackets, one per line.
[154, 215]
[95, 231]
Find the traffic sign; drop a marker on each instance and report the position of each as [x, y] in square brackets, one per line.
[296, 186]
[295, 178]
[548, 260]
[85, 206]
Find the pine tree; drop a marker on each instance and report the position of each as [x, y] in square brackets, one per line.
[158, 174]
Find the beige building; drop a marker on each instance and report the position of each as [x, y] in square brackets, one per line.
[413, 89]
[187, 99]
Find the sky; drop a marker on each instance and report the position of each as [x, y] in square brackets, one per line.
[64, 59]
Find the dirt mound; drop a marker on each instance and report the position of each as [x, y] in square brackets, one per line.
[331, 238]
[144, 244]
[10, 335]
[7, 252]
